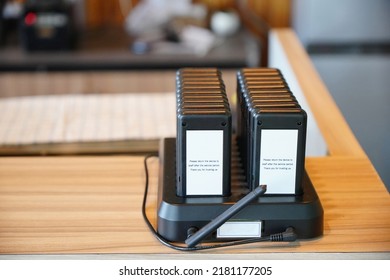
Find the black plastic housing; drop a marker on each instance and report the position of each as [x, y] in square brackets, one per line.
[265, 102]
[202, 106]
[176, 215]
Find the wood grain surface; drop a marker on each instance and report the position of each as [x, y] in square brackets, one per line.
[56, 205]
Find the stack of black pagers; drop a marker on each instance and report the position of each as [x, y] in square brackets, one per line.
[271, 131]
[203, 143]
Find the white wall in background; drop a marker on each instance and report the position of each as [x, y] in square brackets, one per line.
[315, 143]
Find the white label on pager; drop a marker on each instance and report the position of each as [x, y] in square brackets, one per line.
[204, 166]
[278, 160]
[238, 229]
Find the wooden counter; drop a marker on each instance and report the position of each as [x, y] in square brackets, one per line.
[57, 205]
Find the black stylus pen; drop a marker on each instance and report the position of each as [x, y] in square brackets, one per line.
[193, 240]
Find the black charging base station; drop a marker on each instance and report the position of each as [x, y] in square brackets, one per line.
[176, 215]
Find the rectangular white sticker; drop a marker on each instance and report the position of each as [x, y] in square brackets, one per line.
[278, 160]
[239, 229]
[204, 166]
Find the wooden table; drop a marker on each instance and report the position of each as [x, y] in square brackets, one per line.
[81, 207]
[92, 205]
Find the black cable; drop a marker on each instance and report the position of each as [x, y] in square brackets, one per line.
[288, 235]
[155, 233]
